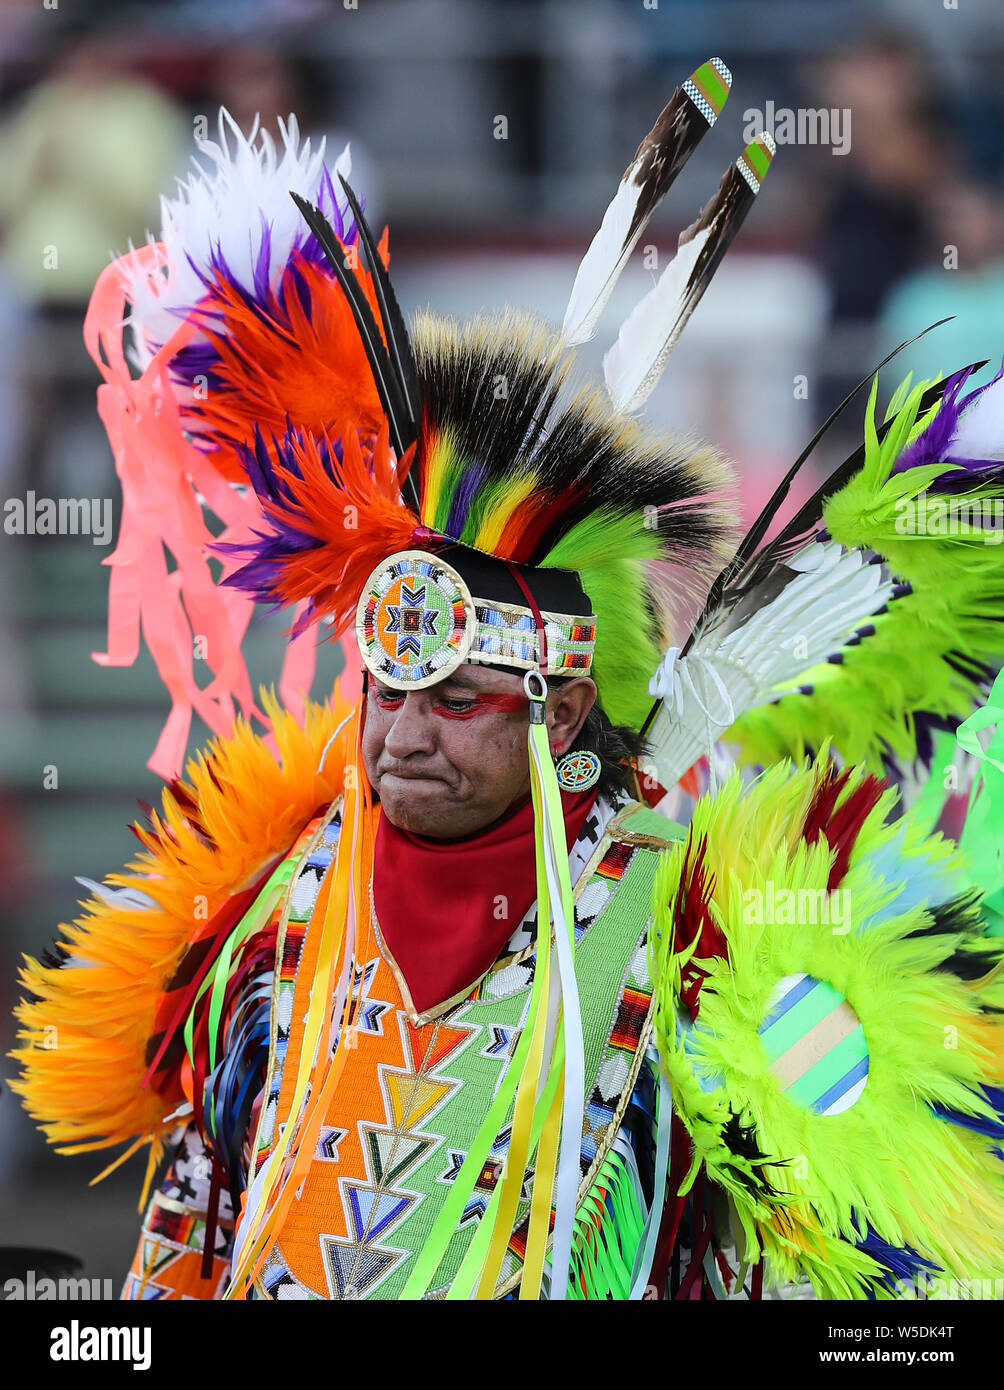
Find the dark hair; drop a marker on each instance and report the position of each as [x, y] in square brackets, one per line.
[618, 746]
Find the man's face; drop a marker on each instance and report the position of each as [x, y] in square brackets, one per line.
[449, 760]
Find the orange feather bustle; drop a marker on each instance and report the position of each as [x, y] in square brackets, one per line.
[85, 1030]
[298, 359]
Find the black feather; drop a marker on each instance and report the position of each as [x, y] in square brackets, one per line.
[55, 955]
[389, 387]
[758, 530]
[791, 537]
[394, 326]
[973, 953]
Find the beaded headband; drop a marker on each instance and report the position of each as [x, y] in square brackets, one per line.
[417, 621]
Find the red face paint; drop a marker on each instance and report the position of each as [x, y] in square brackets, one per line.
[482, 704]
[386, 699]
[462, 707]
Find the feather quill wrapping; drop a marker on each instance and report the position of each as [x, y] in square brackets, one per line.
[910, 960]
[690, 112]
[238, 809]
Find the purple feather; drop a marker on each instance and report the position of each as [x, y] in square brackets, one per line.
[460, 505]
[934, 445]
[262, 262]
[266, 550]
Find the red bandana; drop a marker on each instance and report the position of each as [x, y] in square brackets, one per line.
[446, 908]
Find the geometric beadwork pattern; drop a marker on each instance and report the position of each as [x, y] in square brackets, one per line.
[416, 622]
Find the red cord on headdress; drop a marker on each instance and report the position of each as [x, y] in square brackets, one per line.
[532, 605]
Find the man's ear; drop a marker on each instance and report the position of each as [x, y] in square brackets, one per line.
[573, 699]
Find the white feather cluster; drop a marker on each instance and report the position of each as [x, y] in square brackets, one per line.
[980, 431]
[224, 208]
[735, 665]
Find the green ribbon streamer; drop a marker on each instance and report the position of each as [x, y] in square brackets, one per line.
[603, 1253]
[253, 920]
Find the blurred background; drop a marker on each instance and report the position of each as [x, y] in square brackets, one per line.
[852, 247]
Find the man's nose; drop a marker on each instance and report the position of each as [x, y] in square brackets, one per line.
[412, 730]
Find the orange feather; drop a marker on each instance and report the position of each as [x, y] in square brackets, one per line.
[85, 1030]
[357, 515]
[304, 364]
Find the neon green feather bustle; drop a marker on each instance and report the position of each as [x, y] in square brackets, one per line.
[902, 948]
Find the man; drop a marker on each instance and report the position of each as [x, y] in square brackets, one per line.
[442, 1007]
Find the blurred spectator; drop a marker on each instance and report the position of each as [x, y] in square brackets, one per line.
[252, 80]
[873, 228]
[257, 80]
[85, 157]
[963, 278]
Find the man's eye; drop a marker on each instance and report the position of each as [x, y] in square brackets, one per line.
[455, 706]
[389, 699]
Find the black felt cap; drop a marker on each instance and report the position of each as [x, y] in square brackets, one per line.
[555, 591]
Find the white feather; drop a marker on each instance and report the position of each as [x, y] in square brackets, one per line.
[649, 333]
[223, 206]
[727, 672]
[117, 897]
[602, 264]
[980, 431]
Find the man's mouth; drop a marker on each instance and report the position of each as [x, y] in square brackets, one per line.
[408, 775]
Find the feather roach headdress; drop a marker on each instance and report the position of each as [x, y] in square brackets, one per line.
[490, 453]
[293, 400]
[564, 491]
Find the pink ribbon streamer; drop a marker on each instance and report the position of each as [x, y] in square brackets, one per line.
[163, 478]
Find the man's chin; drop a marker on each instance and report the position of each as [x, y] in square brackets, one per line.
[418, 804]
[425, 806]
